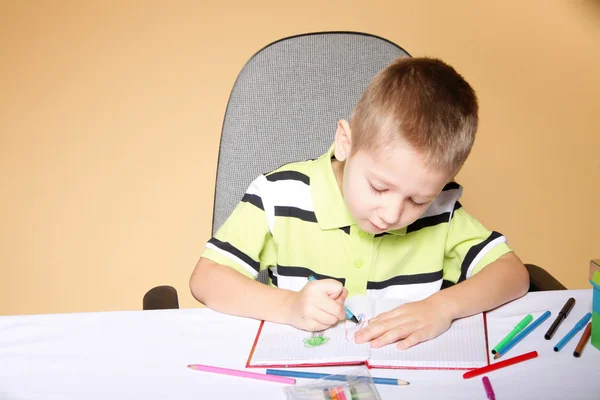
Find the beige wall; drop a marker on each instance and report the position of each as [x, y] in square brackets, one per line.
[110, 116]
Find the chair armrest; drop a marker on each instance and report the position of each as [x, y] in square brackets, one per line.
[540, 280]
[161, 298]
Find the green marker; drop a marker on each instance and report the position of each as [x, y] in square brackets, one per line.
[520, 326]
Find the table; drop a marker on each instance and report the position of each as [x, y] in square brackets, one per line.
[144, 354]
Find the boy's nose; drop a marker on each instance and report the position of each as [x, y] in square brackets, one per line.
[391, 214]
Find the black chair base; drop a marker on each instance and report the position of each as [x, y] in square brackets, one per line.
[161, 298]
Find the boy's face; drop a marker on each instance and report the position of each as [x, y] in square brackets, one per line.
[385, 189]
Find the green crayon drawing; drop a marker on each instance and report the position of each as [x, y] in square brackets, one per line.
[315, 340]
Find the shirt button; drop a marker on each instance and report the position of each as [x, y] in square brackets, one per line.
[358, 263]
[363, 234]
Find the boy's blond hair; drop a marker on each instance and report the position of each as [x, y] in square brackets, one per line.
[424, 101]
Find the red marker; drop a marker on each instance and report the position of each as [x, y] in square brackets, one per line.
[501, 364]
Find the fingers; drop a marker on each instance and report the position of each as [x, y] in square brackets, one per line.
[311, 318]
[376, 329]
[325, 318]
[404, 335]
[315, 326]
[391, 336]
[342, 297]
[381, 324]
[331, 287]
[341, 300]
[396, 312]
[411, 340]
[408, 325]
[369, 333]
[316, 308]
[328, 295]
[332, 308]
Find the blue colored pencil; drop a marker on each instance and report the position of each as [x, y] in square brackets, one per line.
[335, 377]
[578, 326]
[522, 334]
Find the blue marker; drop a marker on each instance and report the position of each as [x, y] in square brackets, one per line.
[349, 314]
[522, 335]
[578, 326]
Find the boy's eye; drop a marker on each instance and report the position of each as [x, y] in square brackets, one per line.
[376, 189]
[418, 204]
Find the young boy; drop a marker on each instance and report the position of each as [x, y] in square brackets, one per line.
[377, 215]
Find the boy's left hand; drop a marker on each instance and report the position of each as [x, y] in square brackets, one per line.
[409, 324]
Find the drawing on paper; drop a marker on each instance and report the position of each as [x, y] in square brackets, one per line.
[316, 339]
[361, 318]
[351, 328]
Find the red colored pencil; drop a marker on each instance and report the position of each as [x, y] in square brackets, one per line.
[501, 364]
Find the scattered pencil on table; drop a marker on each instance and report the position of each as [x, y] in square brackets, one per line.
[500, 352]
[242, 374]
[489, 391]
[332, 377]
[562, 315]
[578, 326]
[516, 330]
[583, 341]
[349, 314]
[501, 364]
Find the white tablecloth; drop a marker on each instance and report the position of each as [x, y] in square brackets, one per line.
[144, 354]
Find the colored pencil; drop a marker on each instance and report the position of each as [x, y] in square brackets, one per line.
[334, 377]
[242, 374]
[501, 364]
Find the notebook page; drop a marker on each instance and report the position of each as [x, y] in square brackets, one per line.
[283, 344]
[462, 346]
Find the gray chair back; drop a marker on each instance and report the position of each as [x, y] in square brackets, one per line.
[286, 102]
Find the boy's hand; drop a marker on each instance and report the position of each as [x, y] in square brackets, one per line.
[409, 324]
[318, 305]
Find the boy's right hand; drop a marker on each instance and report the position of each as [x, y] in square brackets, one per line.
[319, 305]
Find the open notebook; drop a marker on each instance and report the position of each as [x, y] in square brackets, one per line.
[463, 346]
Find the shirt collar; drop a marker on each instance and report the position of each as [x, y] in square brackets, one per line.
[330, 208]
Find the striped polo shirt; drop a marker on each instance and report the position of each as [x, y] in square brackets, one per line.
[294, 223]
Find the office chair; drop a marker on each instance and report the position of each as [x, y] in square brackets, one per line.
[284, 107]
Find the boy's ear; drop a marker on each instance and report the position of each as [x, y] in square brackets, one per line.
[343, 140]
